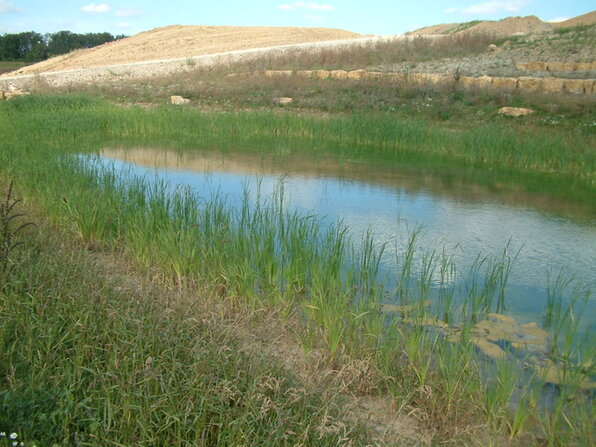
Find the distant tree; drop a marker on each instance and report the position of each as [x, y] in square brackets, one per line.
[28, 46]
[62, 42]
[94, 39]
[32, 47]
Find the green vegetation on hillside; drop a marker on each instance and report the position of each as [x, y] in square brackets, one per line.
[5, 67]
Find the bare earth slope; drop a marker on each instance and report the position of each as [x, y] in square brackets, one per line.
[506, 27]
[512, 25]
[585, 19]
[184, 41]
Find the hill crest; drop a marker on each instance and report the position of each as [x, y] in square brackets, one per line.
[506, 27]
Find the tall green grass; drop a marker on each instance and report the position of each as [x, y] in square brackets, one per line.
[90, 361]
[267, 256]
[562, 163]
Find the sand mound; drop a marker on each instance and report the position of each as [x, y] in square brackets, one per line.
[505, 27]
[444, 28]
[585, 19]
[512, 25]
[184, 41]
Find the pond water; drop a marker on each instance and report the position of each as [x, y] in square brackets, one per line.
[464, 220]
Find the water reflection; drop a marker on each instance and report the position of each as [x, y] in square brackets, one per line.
[463, 219]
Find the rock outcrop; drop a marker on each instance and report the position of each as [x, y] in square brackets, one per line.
[515, 111]
[179, 100]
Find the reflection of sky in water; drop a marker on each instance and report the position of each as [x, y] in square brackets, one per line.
[464, 229]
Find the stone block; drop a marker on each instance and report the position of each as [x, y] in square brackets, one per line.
[575, 86]
[530, 84]
[282, 101]
[320, 74]
[536, 66]
[438, 78]
[338, 75]
[505, 83]
[357, 75]
[553, 85]
[583, 66]
[178, 100]
[481, 82]
[467, 81]
[397, 78]
[306, 74]
[484, 82]
[521, 66]
[373, 76]
[555, 66]
[569, 66]
[281, 73]
[515, 111]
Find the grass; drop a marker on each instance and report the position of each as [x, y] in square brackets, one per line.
[579, 29]
[6, 66]
[97, 362]
[559, 162]
[258, 258]
[464, 26]
[371, 54]
[9, 229]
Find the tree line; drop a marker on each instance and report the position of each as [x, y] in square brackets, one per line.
[34, 47]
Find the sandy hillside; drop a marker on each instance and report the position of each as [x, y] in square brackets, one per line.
[184, 41]
[585, 19]
[508, 26]
[512, 25]
[443, 28]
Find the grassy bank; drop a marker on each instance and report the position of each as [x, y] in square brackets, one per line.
[559, 163]
[262, 258]
[6, 66]
[94, 353]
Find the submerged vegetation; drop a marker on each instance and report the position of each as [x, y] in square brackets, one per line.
[103, 364]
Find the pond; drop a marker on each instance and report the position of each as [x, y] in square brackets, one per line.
[543, 236]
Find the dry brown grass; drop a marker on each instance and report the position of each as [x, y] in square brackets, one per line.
[382, 55]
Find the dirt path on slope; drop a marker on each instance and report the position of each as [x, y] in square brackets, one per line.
[27, 77]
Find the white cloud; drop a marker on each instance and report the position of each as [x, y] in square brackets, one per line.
[6, 7]
[128, 13]
[495, 7]
[123, 25]
[558, 19]
[92, 8]
[450, 10]
[306, 5]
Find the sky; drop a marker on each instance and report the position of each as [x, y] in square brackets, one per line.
[382, 17]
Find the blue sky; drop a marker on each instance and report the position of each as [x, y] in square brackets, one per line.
[366, 17]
